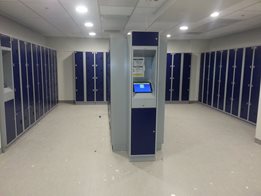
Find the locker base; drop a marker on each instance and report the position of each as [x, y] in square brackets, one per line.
[91, 102]
[258, 141]
[177, 102]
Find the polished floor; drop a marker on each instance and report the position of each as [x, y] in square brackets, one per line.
[206, 153]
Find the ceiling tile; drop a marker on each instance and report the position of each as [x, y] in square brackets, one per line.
[255, 8]
[120, 3]
[242, 15]
[151, 3]
[112, 10]
[114, 22]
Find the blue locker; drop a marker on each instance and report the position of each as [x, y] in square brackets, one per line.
[79, 88]
[5, 41]
[108, 80]
[99, 76]
[230, 84]
[52, 78]
[237, 82]
[168, 77]
[217, 79]
[56, 78]
[10, 121]
[202, 58]
[47, 64]
[246, 83]
[207, 64]
[40, 75]
[36, 82]
[255, 86]
[44, 79]
[211, 78]
[143, 125]
[145, 38]
[90, 76]
[24, 84]
[17, 87]
[30, 82]
[223, 80]
[186, 76]
[176, 76]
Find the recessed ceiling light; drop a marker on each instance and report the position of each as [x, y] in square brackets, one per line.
[183, 28]
[129, 33]
[88, 24]
[168, 35]
[215, 14]
[92, 33]
[81, 9]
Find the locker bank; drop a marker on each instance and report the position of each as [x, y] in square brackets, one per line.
[130, 97]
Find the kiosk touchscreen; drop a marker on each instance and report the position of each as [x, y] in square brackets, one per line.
[142, 87]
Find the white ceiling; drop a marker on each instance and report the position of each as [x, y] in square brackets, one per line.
[58, 17]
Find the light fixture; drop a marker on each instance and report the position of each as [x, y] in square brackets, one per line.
[88, 24]
[168, 36]
[183, 28]
[129, 33]
[92, 34]
[81, 9]
[214, 14]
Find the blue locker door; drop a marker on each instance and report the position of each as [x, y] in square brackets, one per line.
[44, 78]
[108, 75]
[36, 81]
[217, 79]
[30, 83]
[246, 83]
[79, 81]
[17, 87]
[99, 77]
[56, 76]
[176, 76]
[223, 80]
[5, 41]
[237, 82]
[211, 78]
[186, 76]
[52, 78]
[230, 80]
[40, 75]
[255, 86]
[143, 125]
[10, 121]
[168, 77]
[206, 81]
[24, 84]
[47, 79]
[202, 59]
[90, 75]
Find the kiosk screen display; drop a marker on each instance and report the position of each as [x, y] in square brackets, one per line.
[142, 87]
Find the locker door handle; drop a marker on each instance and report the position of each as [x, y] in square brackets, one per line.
[154, 131]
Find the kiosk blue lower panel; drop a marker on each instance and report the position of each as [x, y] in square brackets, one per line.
[223, 79]
[246, 83]
[90, 76]
[201, 77]
[255, 86]
[207, 63]
[99, 77]
[217, 81]
[176, 77]
[211, 78]
[79, 76]
[10, 121]
[143, 125]
[168, 77]
[237, 83]
[186, 77]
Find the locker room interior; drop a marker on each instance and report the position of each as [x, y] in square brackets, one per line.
[67, 95]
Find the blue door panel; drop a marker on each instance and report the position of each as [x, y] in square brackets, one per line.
[44, 79]
[56, 78]
[5, 41]
[207, 63]
[53, 78]
[90, 75]
[10, 121]
[201, 77]
[168, 77]
[24, 84]
[79, 76]
[40, 75]
[99, 77]
[145, 38]
[230, 80]
[223, 79]
[246, 83]
[36, 81]
[237, 83]
[176, 77]
[211, 75]
[255, 86]
[108, 74]
[19, 123]
[217, 81]
[186, 76]
[47, 95]
[143, 124]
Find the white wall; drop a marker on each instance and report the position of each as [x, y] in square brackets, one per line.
[65, 48]
[195, 47]
[13, 29]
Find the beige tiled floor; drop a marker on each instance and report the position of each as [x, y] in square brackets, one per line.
[68, 153]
